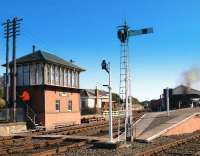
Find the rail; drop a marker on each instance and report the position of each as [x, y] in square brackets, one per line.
[164, 147]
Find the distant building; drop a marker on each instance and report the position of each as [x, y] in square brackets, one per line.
[179, 97]
[93, 100]
[156, 105]
[53, 84]
[146, 104]
[182, 97]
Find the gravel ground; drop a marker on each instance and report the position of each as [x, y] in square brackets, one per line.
[125, 151]
[134, 148]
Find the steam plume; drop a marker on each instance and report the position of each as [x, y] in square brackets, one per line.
[191, 76]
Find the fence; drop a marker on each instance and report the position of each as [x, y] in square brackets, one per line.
[6, 115]
[114, 113]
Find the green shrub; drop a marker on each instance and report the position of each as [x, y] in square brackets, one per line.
[2, 103]
[1, 92]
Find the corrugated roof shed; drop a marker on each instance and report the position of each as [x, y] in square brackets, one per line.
[185, 90]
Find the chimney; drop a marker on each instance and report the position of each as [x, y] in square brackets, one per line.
[96, 99]
[33, 48]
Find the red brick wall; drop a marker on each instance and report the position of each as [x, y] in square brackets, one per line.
[52, 117]
[43, 103]
[187, 126]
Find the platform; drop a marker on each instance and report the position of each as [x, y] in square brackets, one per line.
[12, 128]
[153, 125]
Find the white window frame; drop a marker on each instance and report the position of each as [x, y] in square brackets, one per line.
[57, 102]
[69, 102]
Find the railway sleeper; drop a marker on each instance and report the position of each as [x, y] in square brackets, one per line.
[45, 152]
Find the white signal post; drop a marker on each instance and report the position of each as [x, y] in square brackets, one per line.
[167, 96]
[106, 67]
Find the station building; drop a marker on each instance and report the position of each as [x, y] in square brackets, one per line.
[179, 97]
[53, 84]
[182, 97]
[93, 101]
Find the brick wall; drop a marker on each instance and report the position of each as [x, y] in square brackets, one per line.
[188, 126]
[63, 116]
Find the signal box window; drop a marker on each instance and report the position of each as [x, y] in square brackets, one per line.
[57, 105]
[69, 106]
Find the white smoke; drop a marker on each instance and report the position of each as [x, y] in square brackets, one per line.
[191, 77]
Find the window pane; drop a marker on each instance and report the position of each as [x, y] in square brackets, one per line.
[69, 107]
[39, 74]
[65, 77]
[48, 74]
[33, 74]
[61, 76]
[75, 80]
[52, 75]
[69, 78]
[57, 105]
[26, 75]
[72, 78]
[19, 76]
[57, 75]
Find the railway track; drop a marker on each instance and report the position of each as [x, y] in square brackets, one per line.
[33, 146]
[59, 149]
[40, 147]
[187, 146]
[27, 145]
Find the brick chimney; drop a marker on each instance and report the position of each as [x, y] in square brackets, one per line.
[96, 100]
[33, 48]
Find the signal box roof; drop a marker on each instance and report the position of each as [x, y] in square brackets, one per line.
[41, 56]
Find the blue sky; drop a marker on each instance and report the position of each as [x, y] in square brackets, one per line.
[85, 31]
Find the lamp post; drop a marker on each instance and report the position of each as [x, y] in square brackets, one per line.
[106, 66]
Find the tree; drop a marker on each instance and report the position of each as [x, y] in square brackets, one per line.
[1, 92]
[1, 86]
[135, 101]
[116, 97]
[2, 101]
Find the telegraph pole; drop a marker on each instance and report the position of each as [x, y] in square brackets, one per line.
[7, 62]
[15, 32]
[6, 26]
[14, 69]
[11, 30]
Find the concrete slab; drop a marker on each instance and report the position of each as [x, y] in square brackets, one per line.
[8, 129]
[74, 137]
[152, 125]
[98, 142]
[48, 136]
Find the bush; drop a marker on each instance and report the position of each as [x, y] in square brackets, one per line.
[2, 103]
[1, 92]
